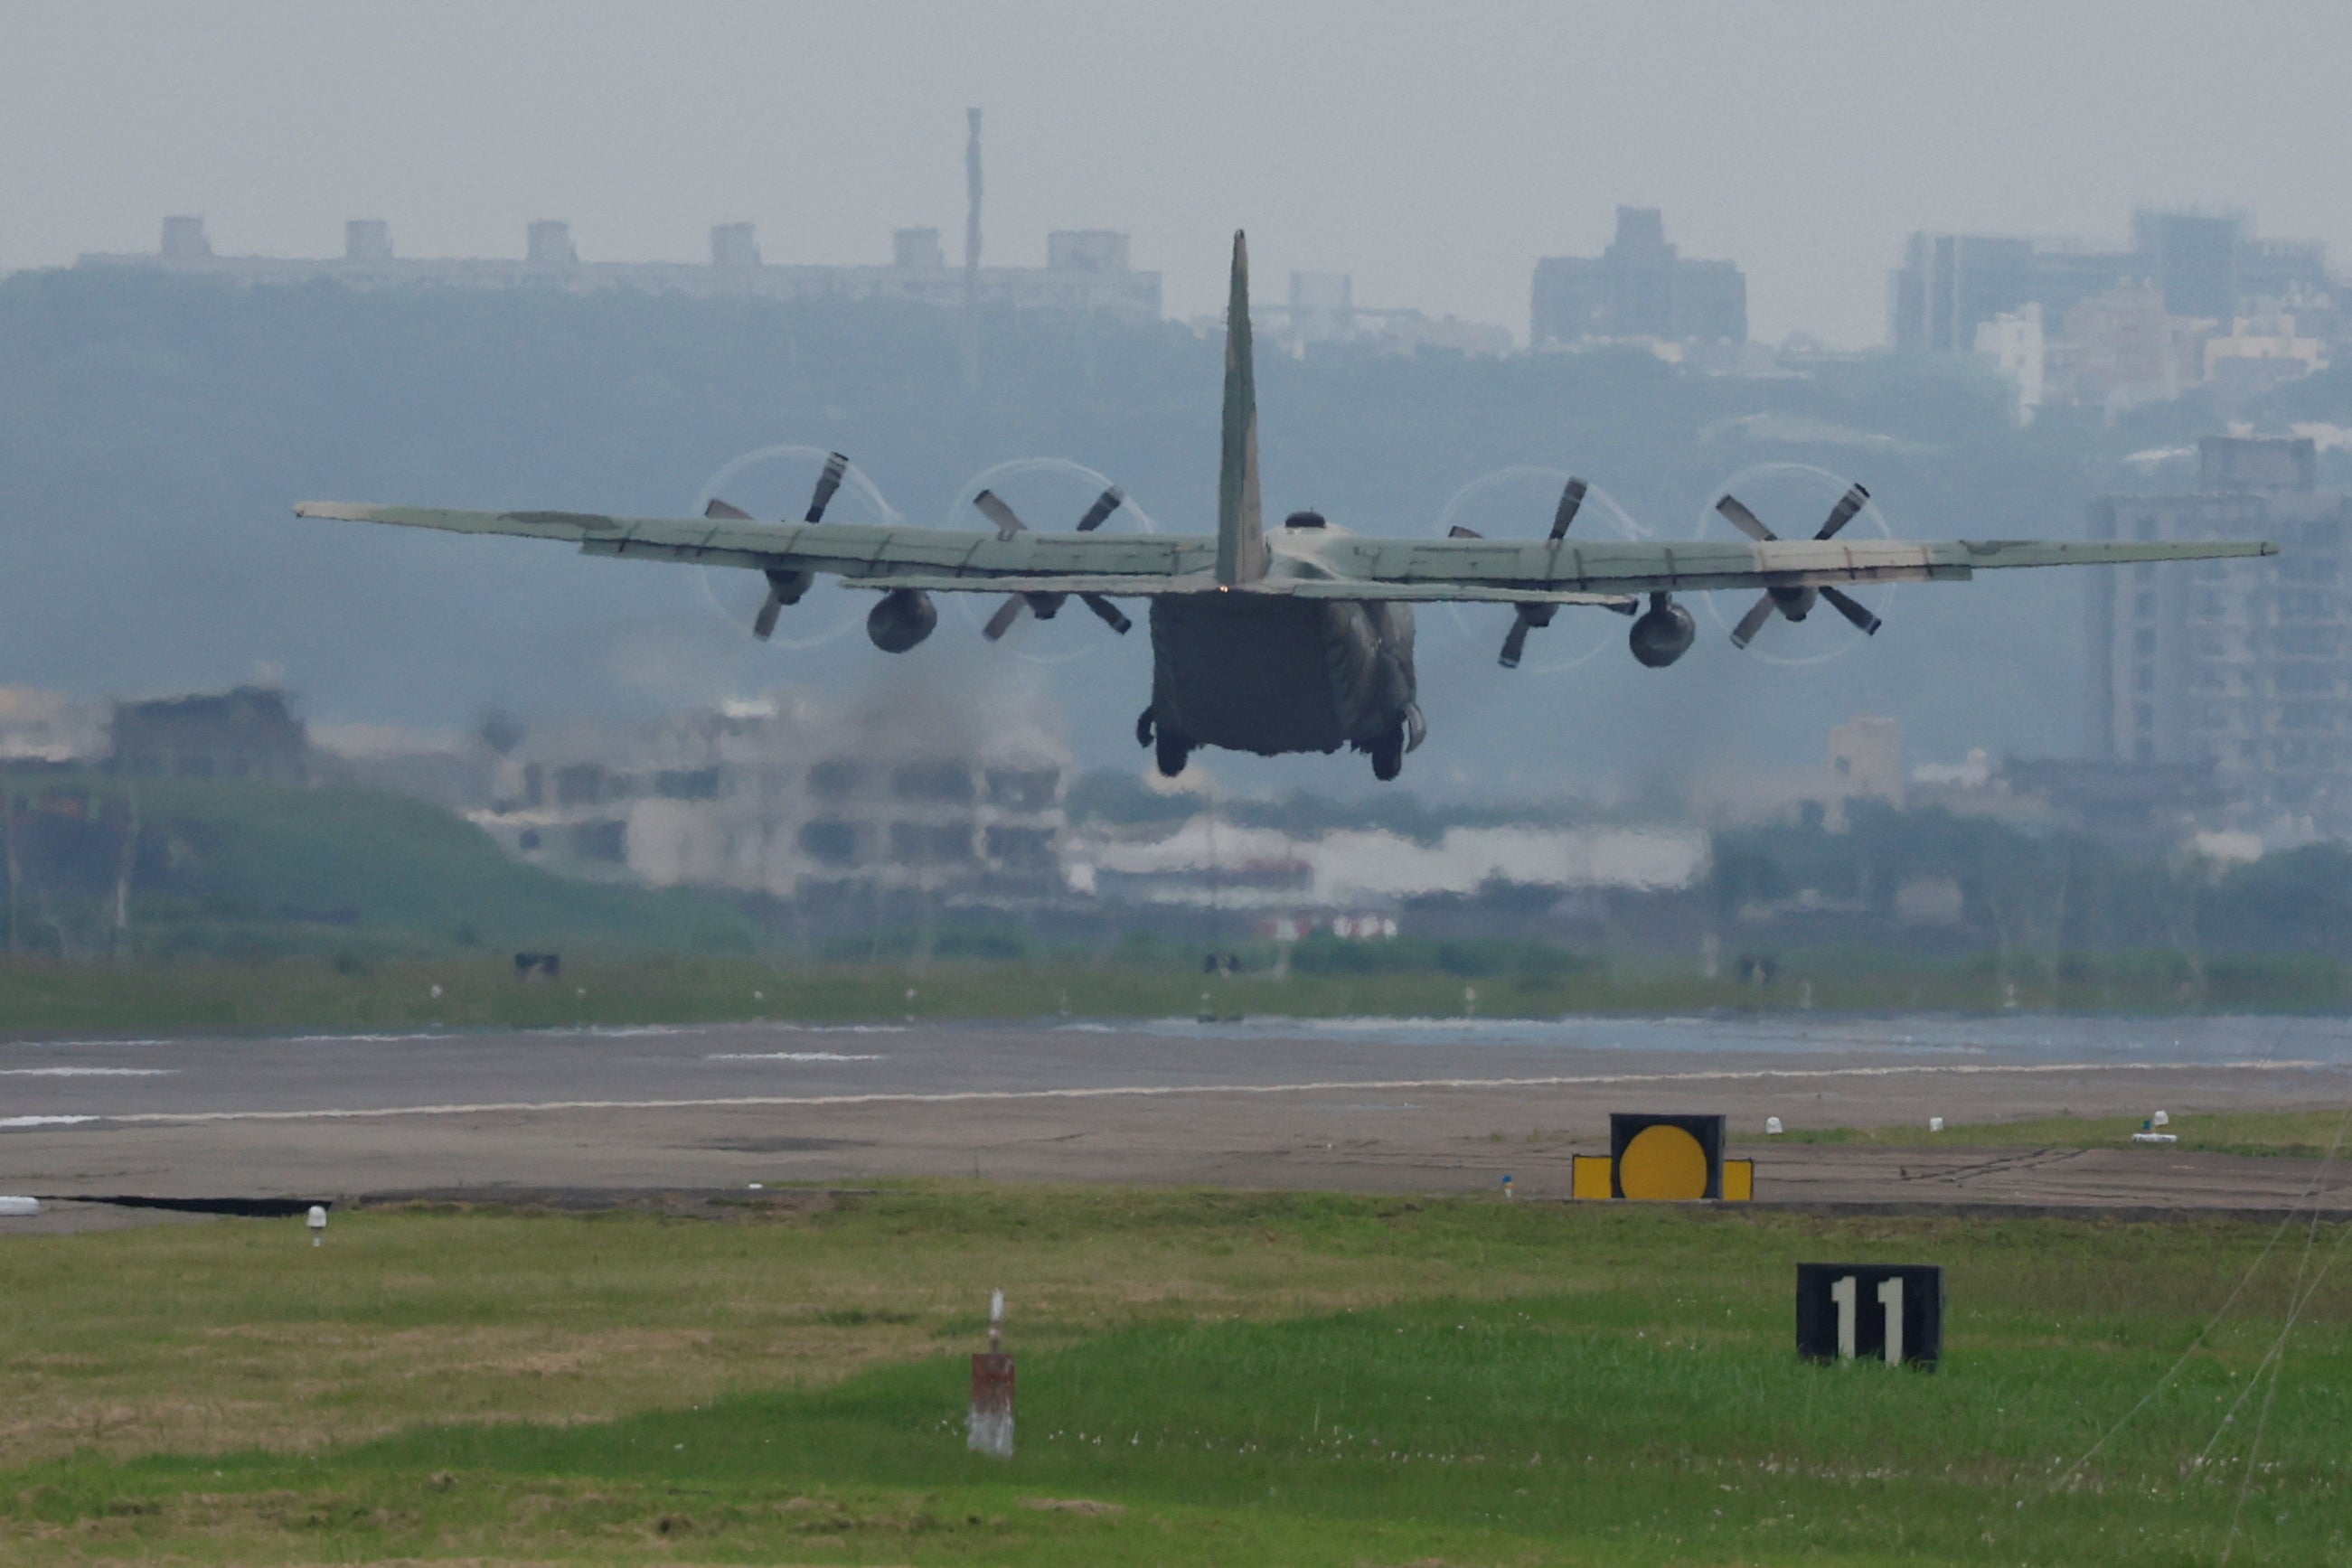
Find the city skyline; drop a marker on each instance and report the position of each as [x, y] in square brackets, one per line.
[1433, 163]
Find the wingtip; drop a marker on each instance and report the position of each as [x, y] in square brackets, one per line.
[341, 511]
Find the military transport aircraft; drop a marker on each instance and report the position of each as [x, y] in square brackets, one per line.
[1296, 640]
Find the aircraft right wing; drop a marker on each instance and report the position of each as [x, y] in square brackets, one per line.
[1475, 568]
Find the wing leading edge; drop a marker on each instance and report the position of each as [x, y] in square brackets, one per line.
[1609, 569]
[1336, 566]
[948, 558]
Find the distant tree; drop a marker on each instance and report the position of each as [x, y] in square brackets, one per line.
[500, 731]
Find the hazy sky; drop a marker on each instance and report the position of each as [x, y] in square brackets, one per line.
[1432, 151]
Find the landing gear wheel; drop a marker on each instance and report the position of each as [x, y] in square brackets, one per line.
[1143, 729]
[1170, 751]
[1388, 755]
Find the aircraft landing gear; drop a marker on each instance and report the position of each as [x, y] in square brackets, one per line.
[1143, 729]
[1170, 751]
[1388, 755]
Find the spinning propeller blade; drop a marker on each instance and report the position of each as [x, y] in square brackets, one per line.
[1848, 507]
[1753, 622]
[1110, 614]
[1852, 502]
[1863, 621]
[1746, 521]
[835, 465]
[764, 626]
[784, 587]
[1007, 615]
[1008, 523]
[1107, 503]
[991, 506]
[1515, 642]
[1570, 499]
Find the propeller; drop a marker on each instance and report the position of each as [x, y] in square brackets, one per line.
[1796, 603]
[785, 587]
[1046, 606]
[1530, 616]
[828, 482]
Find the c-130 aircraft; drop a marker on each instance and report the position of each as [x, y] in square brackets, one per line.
[1294, 641]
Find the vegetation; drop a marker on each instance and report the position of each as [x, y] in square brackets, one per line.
[2036, 897]
[2316, 1132]
[1204, 1378]
[183, 869]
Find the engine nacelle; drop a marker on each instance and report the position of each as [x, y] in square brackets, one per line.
[1663, 633]
[789, 587]
[900, 619]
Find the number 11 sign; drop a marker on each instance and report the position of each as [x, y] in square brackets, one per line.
[1873, 1311]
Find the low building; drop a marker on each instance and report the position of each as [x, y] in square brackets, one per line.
[249, 733]
[1202, 860]
[783, 799]
[1085, 271]
[1862, 764]
[1321, 312]
[50, 728]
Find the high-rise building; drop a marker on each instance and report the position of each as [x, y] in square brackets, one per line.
[2208, 268]
[1638, 288]
[2241, 665]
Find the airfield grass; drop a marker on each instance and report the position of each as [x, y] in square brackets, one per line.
[478, 989]
[1205, 1378]
[2313, 1132]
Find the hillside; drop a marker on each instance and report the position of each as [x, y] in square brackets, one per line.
[234, 869]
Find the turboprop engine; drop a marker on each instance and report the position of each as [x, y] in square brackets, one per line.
[1663, 633]
[900, 619]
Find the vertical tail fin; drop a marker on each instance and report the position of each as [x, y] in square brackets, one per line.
[1241, 532]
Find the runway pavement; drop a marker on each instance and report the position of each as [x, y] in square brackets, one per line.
[1358, 1104]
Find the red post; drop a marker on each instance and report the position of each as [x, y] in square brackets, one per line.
[990, 1430]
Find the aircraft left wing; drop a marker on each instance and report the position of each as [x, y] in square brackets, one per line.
[865, 555]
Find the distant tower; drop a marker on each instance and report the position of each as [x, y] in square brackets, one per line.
[367, 239]
[971, 249]
[184, 234]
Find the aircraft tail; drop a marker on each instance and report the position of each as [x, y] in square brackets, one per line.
[1241, 532]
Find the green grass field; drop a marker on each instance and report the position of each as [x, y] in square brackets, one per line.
[2313, 1133]
[1205, 1378]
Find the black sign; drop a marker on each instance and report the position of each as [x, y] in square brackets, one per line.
[1872, 1312]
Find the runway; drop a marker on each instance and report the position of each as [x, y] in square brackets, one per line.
[1365, 1104]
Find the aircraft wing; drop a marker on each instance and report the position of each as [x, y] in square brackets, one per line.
[1476, 569]
[864, 554]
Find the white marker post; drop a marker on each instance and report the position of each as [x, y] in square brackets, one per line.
[990, 1426]
[318, 1224]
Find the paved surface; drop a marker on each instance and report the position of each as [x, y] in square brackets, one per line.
[1351, 1104]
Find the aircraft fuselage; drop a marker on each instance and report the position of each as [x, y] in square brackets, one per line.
[1270, 673]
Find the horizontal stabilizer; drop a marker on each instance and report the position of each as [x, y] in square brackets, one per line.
[1010, 583]
[1427, 592]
